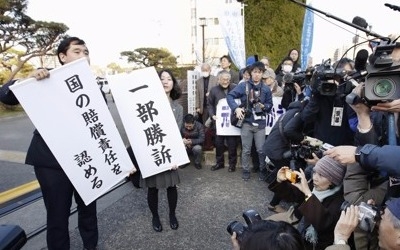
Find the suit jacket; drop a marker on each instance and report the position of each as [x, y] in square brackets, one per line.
[235, 78]
[200, 91]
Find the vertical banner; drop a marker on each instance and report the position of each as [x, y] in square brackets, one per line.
[71, 115]
[148, 120]
[307, 37]
[231, 22]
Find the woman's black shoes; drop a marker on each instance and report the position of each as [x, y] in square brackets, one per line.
[173, 222]
[157, 224]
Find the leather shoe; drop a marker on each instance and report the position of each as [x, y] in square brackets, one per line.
[157, 224]
[231, 169]
[216, 167]
[173, 222]
[198, 166]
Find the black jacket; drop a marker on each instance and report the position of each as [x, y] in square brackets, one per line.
[319, 112]
[278, 140]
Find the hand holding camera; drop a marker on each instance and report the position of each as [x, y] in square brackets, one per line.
[346, 224]
[286, 174]
[240, 113]
[367, 215]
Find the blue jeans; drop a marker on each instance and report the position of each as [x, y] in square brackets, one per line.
[249, 133]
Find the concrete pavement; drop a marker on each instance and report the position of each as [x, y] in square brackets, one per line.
[208, 201]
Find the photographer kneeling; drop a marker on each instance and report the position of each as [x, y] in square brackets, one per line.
[266, 235]
[319, 209]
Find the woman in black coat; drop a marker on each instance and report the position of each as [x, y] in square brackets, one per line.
[319, 200]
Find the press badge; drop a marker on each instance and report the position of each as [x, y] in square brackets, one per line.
[337, 116]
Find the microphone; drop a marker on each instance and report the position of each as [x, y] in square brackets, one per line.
[360, 66]
[360, 62]
[360, 22]
[393, 7]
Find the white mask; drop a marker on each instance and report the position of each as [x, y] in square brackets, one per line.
[287, 68]
[205, 74]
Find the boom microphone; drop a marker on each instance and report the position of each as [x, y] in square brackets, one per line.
[393, 7]
[360, 22]
[360, 65]
[360, 62]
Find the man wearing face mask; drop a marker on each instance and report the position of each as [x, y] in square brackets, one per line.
[286, 68]
[203, 86]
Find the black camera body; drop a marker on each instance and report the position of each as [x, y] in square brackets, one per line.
[382, 86]
[250, 216]
[320, 79]
[305, 150]
[324, 77]
[301, 78]
[382, 82]
[256, 102]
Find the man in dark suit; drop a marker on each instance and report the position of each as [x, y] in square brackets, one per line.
[203, 86]
[56, 188]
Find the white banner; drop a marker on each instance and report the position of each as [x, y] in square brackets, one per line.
[231, 22]
[71, 115]
[148, 121]
[273, 116]
[223, 122]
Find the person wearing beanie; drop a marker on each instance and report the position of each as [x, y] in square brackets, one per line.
[318, 200]
[388, 227]
[269, 80]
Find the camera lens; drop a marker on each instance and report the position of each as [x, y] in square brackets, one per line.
[384, 87]
[235, 226]
[250, 216]
[345, 205]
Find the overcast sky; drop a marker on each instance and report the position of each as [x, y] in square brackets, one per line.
[330, 34]
[109, 27]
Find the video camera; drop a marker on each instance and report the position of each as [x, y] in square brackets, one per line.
[250, 216]
[324, 77]
[368, 215]
[382, 81]
[306, 148]
[299, 78]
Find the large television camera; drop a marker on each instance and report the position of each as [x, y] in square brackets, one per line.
[382, 83]
[324, 78]
[382, 80]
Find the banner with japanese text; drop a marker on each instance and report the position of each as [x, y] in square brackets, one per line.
[273, 116]
[71, 115]
[223, 123]
[307, 38]
[148, 120]
[231, 22]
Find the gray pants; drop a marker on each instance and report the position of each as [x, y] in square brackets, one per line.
[197, 151]
[249, 133]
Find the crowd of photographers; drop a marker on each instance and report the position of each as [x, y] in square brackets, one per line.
[335, 155]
